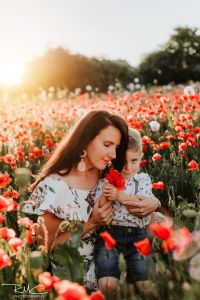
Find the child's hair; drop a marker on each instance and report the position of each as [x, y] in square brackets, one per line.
[135, 141]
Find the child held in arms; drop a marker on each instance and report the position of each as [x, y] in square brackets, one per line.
[125, 228]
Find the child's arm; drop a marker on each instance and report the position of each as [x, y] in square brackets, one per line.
[113, 194]
[144, 191]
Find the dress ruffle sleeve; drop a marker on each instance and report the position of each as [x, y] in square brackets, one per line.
[53, 195]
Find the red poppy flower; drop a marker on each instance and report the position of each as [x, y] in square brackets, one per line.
[182, 146]
[158, 185]
[182, 238]
[143, 246]
[163, 231]
[145, 140]
[178, 128]
[156, 157]
[29, 237]
[116, 179]
[144, 148]
[25, 222]
[7, 204]
[10, 193]
[143, 162]
[9, 158]
[47, 280]
[4, 203]
[164, 145]
[31, 155]
[168, 245]
[16, 244]
[4, 260]
[193, 165]
[109, 241]
[7, 233]
[97, 296]
[71, 290]
[4, 180]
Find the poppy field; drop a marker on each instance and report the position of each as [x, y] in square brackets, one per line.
[169, 123]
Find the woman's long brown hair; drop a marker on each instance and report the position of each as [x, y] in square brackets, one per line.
[69, 150]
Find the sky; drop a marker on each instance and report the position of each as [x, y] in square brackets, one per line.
[112, 29]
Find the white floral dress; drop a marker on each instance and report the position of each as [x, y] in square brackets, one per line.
[53, 194]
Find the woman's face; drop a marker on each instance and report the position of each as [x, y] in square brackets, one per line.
[102, 149]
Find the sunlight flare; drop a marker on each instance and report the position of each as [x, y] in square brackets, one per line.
[11, 72]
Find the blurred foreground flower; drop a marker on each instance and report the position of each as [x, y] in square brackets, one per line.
[16, 244]
[4, 260]
[163, 231]
[109, 241]
[7, 233]
[7, 204]
[47, 280]
[143, 246]
[70, 290]
[194, 267]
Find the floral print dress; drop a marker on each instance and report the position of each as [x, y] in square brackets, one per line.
[54, 195]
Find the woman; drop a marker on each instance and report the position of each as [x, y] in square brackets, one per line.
[64, 189]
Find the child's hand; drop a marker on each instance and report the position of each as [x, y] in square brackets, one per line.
[110, 191]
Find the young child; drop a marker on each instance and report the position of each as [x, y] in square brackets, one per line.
[125, 228]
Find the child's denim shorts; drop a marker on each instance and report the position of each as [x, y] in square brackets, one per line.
[106, 261]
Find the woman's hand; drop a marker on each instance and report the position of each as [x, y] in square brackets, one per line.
[143, 207]
[101, 215]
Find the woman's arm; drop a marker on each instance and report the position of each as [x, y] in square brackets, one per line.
[142, 208]
[100, 216]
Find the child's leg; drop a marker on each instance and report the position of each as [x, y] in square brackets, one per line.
[139, 268]
[107, 269]
[108, 286]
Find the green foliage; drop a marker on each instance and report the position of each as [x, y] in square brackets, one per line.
[177, 61]
[66, 260]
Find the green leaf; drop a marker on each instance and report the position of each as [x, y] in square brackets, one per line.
[68, 263]
[75, 240]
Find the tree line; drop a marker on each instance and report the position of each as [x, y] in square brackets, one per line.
[177, 61]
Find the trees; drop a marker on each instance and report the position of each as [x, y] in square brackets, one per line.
[177, 61]
[57, 67]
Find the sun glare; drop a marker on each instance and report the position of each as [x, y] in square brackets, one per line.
[11, 72]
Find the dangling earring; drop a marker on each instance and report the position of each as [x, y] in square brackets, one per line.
[81, 164]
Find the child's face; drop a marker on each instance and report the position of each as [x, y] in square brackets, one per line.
[133, 159]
